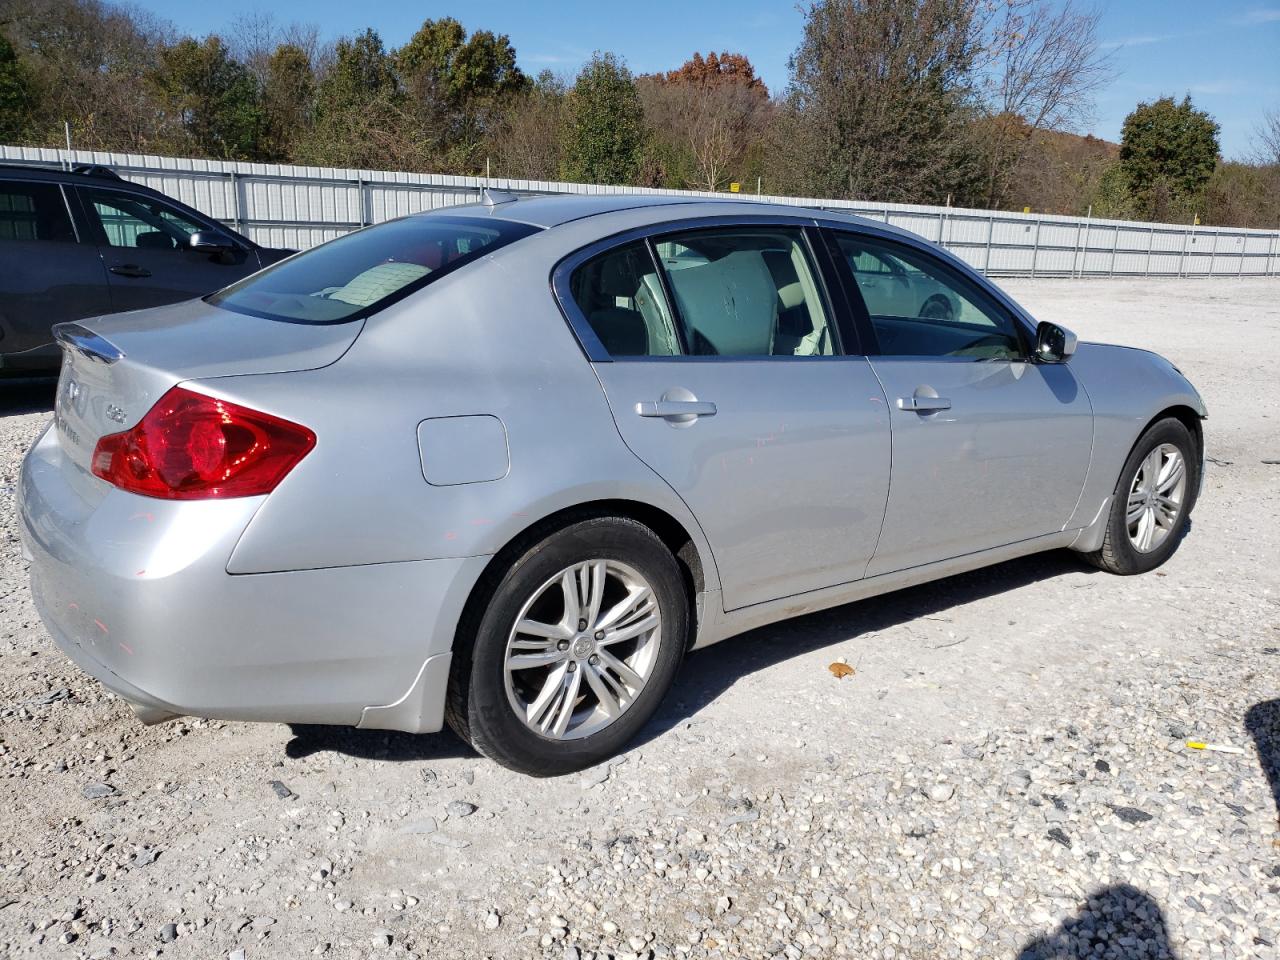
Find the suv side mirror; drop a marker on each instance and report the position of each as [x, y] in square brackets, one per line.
[1054, 344]
[209, 241]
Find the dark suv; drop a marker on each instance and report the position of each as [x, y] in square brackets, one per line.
[83, 242]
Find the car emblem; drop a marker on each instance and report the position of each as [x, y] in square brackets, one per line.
[73, 397]
[114, 413]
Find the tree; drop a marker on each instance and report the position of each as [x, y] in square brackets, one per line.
[1043, 63]
[17, 95]
[455, 85]
[727, 69]
[605, 123]
[361, 74]
[881, 94]
[288, 94]
[211, 99]
[707, 114]
[89, 63]
[360, 119]
[529, 141]
[1268, 139]
[1168, 152]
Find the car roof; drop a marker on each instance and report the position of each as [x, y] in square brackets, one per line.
[80, 173]
[556, 210]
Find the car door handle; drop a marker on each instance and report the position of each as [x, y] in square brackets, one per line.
[681, 411]
[923, 404]
[129, 270]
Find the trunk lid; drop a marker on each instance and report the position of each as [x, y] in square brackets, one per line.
[115, 368]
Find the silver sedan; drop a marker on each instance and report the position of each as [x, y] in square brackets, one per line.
[503, 465]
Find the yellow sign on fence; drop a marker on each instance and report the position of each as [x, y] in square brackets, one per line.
[735, 187]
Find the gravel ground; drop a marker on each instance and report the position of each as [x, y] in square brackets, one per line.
[1004, 774]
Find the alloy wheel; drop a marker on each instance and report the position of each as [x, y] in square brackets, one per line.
[582, 649]
[1156, 497]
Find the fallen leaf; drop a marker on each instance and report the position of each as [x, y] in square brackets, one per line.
[841, 670]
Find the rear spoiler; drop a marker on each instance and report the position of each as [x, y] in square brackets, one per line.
[85, 342]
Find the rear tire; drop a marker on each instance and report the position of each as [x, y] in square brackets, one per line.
[1151, 507]
[538, 692]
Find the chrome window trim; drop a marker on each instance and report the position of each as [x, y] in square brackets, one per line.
[594, 349]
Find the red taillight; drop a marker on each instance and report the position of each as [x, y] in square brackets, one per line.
[193, 447]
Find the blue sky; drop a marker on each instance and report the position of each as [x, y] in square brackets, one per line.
[1225, 54]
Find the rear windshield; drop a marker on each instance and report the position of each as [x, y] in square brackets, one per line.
[363, 272]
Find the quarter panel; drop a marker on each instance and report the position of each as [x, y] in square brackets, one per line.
[486, 341]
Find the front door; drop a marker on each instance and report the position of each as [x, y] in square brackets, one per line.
[989, 447]
[143, 242]
[718, 352]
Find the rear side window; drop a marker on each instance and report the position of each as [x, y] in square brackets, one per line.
[363, 272]
[33, 211]
[620, 294]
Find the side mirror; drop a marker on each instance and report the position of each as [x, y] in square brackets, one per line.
[209, 241]
[1054, 344]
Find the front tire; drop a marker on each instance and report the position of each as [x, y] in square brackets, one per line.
[572, 653]
[1151, 509]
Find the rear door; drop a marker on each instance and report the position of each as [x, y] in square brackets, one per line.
[719, 353]
[989, 446]
[143, 242]
[46, 275]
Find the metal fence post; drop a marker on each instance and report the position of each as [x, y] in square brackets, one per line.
[1213, 253]
[1115, 245]
[364, 219]
[1244, 248]
[1035, 247]
[237, 210]
[1077, 259]
[991, 228]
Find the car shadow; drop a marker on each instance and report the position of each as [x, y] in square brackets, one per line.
[387, 745]
[1118, 921]
[1263, 723]
[706, 674]
[27, 396]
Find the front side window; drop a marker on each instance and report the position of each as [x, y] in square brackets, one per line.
[139, 222]
[33, 211]
[920, 307]
[365, 271]
[734, 292]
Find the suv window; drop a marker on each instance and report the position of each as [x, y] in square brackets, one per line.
[128, 220]
[363, 272]
[738, 292]
[918, 306]
[33, 211]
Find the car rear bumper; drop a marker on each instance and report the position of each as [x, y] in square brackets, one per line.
[135, 591]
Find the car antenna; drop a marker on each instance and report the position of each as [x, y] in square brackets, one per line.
[491, 198]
